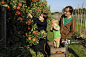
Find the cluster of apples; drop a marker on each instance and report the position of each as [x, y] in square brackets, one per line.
[20, 18]
[29, 38]
[29, 23]
[58, 52]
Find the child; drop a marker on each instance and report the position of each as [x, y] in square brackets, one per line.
[56, 33]
[42, 25]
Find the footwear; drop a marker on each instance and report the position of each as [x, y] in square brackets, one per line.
[58, 47]
[55, 47]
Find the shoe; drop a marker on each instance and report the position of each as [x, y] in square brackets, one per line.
[55, 47]
[58, 47]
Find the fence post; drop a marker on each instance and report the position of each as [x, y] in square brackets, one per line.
[84, 24]
[78, 18]
[80, 24]
[82, 11]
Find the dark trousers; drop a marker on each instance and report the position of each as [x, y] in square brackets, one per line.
[40, 46]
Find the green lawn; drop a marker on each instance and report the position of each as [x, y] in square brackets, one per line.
[75, 50]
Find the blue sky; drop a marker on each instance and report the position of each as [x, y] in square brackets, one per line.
[58, 5]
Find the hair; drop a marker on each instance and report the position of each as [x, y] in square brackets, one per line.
[55, 21]
[45, 16]
[70, 8]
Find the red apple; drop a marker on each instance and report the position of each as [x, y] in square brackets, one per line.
[58, 51]
[37, 10]
[20, 4]
[33, 39]
[18, 7]
[26, 34]
[29, 38]
[21, 49]
[21, 36]
[28, 28]
[14, 7]
[26, 55]
[20, 21]
[42, 5]
[8, 7]
[34, 31]
[3, 2]
[19, 13]
[27, 12]
[29, 6]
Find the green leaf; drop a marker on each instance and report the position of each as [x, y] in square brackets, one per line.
[5, 5]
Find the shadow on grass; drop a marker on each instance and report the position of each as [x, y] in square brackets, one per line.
[80, 39]
[71, 51]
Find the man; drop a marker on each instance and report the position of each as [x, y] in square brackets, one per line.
[67, 26]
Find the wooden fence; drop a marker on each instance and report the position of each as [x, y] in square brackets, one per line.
[81, 22]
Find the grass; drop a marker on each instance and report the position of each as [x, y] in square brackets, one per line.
[74, 50]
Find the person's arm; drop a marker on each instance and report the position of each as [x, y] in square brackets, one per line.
[37, 20]
[56, 28]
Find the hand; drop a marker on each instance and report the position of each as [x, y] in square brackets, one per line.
[62, 40]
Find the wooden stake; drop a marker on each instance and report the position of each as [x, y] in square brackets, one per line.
[78, 18]
[82, 12]
[84, 24]
[80, 24]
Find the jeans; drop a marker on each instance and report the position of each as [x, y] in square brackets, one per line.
[66, 44]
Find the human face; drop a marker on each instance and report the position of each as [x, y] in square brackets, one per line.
[54, 24]
[67, 13]
[41, 17]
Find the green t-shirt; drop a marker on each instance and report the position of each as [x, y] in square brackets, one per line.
[67, 20]
[56, 33]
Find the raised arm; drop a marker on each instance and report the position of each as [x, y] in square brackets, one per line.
[30, 16]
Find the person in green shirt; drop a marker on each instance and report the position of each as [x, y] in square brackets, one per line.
[56, 33]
